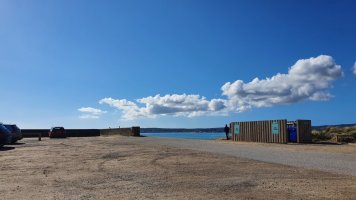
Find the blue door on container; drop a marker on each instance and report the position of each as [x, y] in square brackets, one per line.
[292, 133]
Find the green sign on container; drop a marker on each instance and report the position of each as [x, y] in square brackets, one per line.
[275, 128]
[237, 128]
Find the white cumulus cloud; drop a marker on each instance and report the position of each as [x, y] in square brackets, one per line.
[122, 104]
[354, 69]
[307, 79]
[90, 113]
[129, 109]
[175, 105]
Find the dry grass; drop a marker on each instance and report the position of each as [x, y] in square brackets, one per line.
[330, 133]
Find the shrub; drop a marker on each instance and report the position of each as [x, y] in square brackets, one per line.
[353, 134]
[322, 135]
[329, 133]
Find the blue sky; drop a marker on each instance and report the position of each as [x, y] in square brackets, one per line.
[97, 64]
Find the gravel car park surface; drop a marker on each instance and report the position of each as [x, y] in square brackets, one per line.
[142, 168]
[331, 158]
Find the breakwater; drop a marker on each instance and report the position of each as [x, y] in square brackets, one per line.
[133, 131]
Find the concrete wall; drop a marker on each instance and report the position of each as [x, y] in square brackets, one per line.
[69, 132]
[134, 131]
[116, 131]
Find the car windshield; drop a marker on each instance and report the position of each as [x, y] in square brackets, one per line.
[9, 127]
[4, 129]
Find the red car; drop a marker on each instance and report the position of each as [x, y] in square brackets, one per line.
[57, 132]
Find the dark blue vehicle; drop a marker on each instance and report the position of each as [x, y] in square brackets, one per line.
[5, 135]
[15, 132]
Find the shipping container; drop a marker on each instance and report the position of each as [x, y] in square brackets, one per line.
[272, 131]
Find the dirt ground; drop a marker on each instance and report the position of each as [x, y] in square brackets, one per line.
[118, 168]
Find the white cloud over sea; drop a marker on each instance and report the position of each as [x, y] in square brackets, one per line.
[174, 105]
[90, 113]
[307, 79]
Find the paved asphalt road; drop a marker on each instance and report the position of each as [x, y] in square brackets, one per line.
[330, 162]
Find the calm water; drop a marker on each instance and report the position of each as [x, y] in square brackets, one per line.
[187, 135]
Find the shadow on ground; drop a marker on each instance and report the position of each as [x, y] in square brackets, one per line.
[18, 143]
[6, 148]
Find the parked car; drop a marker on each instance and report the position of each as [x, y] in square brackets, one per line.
[5, 135]
[15, 131]
[57, 132]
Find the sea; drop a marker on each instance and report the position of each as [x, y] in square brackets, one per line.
[187, 135]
